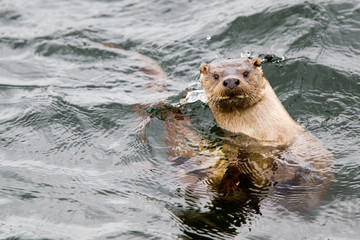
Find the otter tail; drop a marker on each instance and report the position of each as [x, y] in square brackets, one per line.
[149, 67]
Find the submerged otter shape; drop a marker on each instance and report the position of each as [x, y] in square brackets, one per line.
[243, 101]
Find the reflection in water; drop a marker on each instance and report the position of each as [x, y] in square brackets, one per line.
[226, 177]
[222, 216]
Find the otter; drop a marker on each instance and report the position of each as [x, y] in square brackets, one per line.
[261, 146]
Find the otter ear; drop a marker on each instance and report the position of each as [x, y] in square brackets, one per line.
[256, 62]
[204, 69]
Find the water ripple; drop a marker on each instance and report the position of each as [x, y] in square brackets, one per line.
[75, 153]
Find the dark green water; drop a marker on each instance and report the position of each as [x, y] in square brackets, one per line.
[73, 164]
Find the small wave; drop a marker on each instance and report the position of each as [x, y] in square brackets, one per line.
[35, 227]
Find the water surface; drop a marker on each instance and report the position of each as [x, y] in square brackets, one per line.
[73, 162]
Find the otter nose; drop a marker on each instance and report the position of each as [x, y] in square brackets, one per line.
[231, 83]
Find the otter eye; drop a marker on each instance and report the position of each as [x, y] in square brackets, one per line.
[216, 77]
[245, 74]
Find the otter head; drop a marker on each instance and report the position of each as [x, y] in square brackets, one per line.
[233, 83]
